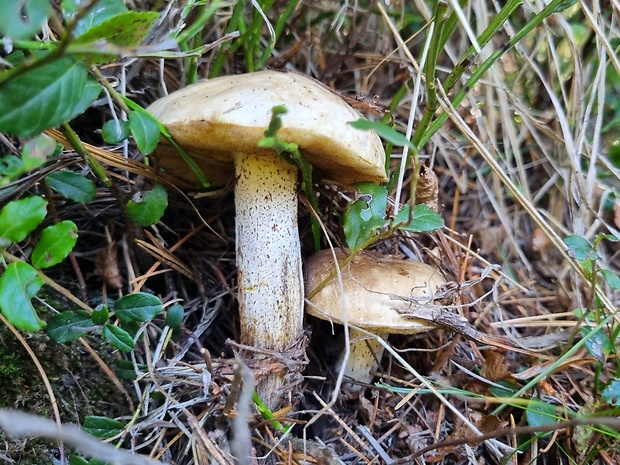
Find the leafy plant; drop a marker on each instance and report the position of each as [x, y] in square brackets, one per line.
[601, 341]
[369, 212]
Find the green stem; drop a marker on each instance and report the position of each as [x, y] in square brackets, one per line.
[81, 150]
[486, 65]
[278, 28]
[494, 26]
[234, 24]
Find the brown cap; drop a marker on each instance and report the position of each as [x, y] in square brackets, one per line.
[370, 281]
[217, 118]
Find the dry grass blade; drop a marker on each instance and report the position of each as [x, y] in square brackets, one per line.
[525, 203]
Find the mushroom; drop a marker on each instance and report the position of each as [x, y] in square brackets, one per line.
[220, 122]
[369, 284]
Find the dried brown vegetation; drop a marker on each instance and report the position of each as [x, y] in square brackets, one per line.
[523, 161]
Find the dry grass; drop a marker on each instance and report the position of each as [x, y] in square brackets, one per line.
[523, 161]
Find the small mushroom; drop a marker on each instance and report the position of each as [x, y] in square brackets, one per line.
[220, 122]
[369, 283]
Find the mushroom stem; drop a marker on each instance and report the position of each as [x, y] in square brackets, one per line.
[364, 357]
[269, 262]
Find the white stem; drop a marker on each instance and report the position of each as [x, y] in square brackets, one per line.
[268, 258]
[364, 357]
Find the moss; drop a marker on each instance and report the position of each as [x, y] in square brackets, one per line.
[79, 384]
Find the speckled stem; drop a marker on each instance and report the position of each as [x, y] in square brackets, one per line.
[363, 359]
[269, 263]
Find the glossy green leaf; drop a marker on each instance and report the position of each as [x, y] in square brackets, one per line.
[424, 219]
[384, 131]
[115, 131]
[118, 337]
[19, 218]
[44, 97]
[18, 284]
[89, 93]
[611, 393]
[124, 29]
[145, 131]
[139, 306]
[55, 244]
[102, 427]
[68, 326]
[150, 207]
[366, 214]
[22, 19]
[100, 315]
[102, 11]
[72, 185]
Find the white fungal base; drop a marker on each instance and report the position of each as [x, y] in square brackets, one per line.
[268, 259]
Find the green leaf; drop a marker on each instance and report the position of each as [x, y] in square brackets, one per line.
[72, 186]
[115, 131]
[44, 97]
[124, 29]
[34, 154]
[55, 244]
[385, 132]
[138, 307]
[175, 315]
[565, 5]
[126, 370]
[366, 214]
[100, 315]
[145, 131]
[102, 11]
[102, 427]
[20, 217]
[150, 208]
[579, 248]
[68, 326]
[611, 393]
[540, 413]
[21, 19]
[424, 219]
[611, 279]
[77, 460]
[18, 284]
[89, 94]
[95, 461]
[36, 151]
[118, 338]
[598, 343]
[11, 168]
[610, 237]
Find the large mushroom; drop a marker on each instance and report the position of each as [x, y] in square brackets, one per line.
[370, 283]
[220, 122]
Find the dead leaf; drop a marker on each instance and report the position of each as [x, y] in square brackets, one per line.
[106, 267]
[494, 368]
[427, 190]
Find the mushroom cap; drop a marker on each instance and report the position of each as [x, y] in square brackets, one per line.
[217, 118]
[368, 281]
